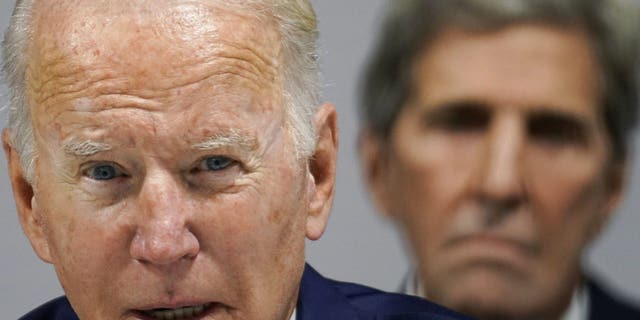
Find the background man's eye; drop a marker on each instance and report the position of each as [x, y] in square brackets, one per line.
[459, 117]
[217, 163]
[104, 172]
[558, 130]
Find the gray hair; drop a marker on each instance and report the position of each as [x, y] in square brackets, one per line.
[297, 25]
[411, 26]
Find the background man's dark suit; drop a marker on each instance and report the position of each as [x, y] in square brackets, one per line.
[605, 306]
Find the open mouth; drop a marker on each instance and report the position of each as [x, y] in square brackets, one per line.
[182, 313]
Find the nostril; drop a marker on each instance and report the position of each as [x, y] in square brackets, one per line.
[497, 209]
[164, 250]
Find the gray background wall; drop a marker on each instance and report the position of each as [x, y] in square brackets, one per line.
[358, 245]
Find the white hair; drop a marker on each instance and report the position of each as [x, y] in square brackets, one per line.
[297, 26]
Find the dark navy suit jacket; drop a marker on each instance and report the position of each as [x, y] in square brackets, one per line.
[605, 306]
[319, 299]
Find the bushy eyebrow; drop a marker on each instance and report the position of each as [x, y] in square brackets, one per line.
[229, 140]
[84, 148]
[560, 117]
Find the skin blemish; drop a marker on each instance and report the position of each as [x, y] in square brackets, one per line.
[82, 105]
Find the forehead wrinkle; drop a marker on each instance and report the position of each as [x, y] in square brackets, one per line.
[77, 86]
[80, 62]
[60, 81]
[246, 62]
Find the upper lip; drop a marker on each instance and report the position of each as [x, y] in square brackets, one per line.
[173, 305]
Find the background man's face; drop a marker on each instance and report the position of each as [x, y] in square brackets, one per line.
[498, 169]
[165, 174]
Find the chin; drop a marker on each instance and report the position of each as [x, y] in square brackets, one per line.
[489, 312]
[503, 310]
[487, 306]
[492, 295]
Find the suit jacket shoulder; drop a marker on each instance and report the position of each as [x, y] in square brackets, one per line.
[56, 309]
[322, 298]
[605, 306]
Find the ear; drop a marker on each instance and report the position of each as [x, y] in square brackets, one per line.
[614, 184]
[322, 171]
[373, 161]
[25, 201]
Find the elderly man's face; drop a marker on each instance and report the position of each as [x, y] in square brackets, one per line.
[167, 184]
[499, 168]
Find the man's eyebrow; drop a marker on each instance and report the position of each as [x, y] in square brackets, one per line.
[228, 140]
[559, 116]
[84, 148]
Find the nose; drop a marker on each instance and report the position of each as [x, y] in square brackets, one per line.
[163, 235]
[500, 175]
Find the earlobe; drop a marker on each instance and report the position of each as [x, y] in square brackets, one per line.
[23, 195]
[373, 165]
[322, 170]
[614, 184]
[615, 188]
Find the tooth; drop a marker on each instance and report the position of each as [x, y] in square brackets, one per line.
[158, 315]
[198, 310]
[178, 313]
[163, 315]
[188, 312]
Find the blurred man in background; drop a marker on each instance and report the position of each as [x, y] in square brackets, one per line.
[169, 159]
[495, 134]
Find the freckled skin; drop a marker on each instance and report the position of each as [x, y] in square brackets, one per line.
[438, 184]
[151, 79]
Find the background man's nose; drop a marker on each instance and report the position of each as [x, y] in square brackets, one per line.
[163, 234]
[500, 176]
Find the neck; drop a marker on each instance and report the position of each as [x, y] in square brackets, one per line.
[572, 305]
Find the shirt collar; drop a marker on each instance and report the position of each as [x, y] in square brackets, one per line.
[579, 307]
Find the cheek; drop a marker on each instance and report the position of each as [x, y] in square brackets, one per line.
[286, 216]
[228, 224]
[84, 240]
[86, 252]
[429, 179]
[577, 191]
[569, 210]
[260, 221]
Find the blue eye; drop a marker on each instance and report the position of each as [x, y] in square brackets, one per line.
[217, 163]
[103, 172]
